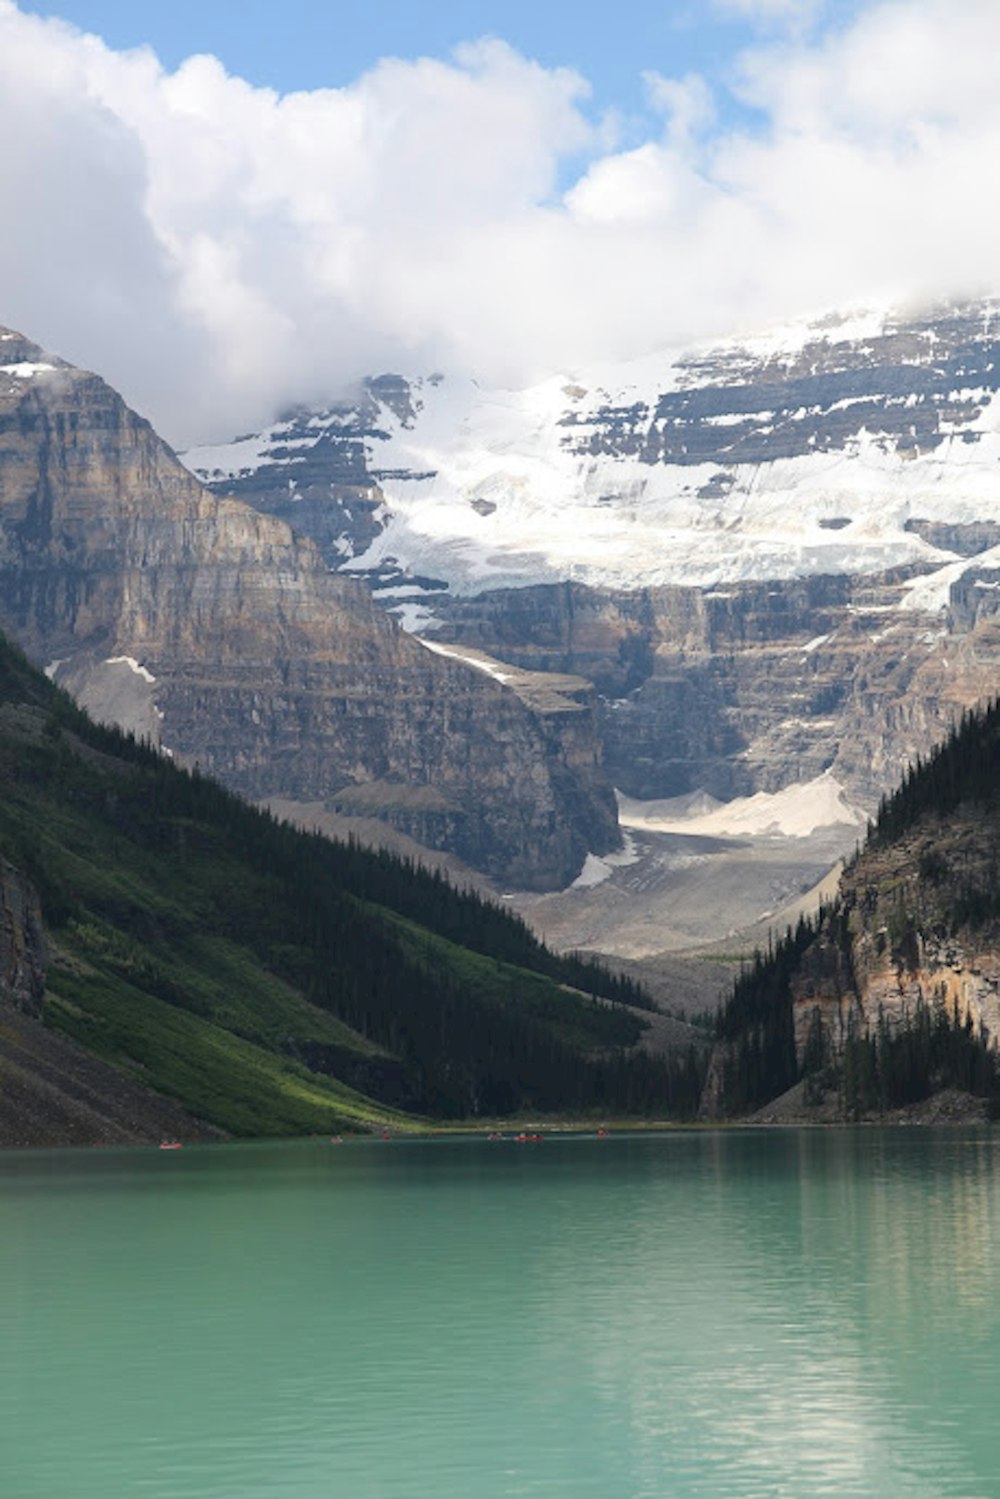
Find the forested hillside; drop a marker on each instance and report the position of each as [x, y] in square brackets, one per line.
[271, 981]
[893, 992]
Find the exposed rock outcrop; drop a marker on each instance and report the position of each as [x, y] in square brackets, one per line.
[893, 945]
[727, 543]
[754, 686]
[220, 632]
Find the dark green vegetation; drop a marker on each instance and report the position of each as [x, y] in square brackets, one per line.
[755, 1028]
[872, 1069]
[274, 982]
[927, 882]
[890, 1068]
[964, 772]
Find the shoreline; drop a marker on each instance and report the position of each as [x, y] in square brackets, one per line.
[947, 1110]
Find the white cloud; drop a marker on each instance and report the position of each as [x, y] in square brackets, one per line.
[217, 250]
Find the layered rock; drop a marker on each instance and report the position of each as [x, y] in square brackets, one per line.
[220, 632]
[728, 542]
[892, 944]
[754, 686]
[847, 446]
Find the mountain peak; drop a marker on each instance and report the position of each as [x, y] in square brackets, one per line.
[20, 359]
[847, 444]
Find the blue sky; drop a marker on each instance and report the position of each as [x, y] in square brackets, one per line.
[308, 44]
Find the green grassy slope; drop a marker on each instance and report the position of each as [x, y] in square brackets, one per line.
[272, 982]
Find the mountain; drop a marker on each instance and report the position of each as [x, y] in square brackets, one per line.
[775, 561]
[893, 993]
[175, 961]
[823, 448]
[221, 633]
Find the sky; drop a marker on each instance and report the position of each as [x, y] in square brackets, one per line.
[328, 45]
[227, 208]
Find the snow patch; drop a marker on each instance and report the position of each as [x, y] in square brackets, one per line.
[560, 507]
[598, 868]
[931, 594]
[594, 872]
[482, 663]
[619, 521]
[400, 591]
[25, 370]
[795, 812]
[232, 460]
[414, 617]
[133, 665]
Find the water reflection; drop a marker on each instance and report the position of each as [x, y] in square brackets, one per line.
[732, 1314]
[810, 1318]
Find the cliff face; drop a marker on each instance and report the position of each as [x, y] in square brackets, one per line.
[895, 944]
[893, 993]
[23, 952]
[754, 686]
[771, 558]
[219, 632]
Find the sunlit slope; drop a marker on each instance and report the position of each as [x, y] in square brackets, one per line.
[272, 982]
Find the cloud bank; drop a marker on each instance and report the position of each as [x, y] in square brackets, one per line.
[218, 251]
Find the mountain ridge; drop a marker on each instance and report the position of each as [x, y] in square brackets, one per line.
[775, 559]
[729, 460]
[221, 633]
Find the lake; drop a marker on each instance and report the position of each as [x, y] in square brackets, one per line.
[730, 1314]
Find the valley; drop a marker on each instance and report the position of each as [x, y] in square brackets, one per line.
[499, 750]
[522, 640]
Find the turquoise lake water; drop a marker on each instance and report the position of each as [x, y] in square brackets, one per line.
[733, 1315]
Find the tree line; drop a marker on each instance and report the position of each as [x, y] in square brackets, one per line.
[452, 987]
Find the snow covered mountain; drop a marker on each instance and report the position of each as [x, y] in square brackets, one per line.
[845, 446]
[778, 560]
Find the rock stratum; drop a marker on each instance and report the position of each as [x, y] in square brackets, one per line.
[218, 632]
[775, 560]
[914, 927]
[846, 446]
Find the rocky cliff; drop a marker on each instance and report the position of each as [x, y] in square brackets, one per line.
[755, 686]
[904, 937]
[894, 992]
[772, 558]
[219, 632]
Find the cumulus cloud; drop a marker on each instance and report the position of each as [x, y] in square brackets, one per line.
[218, 250]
